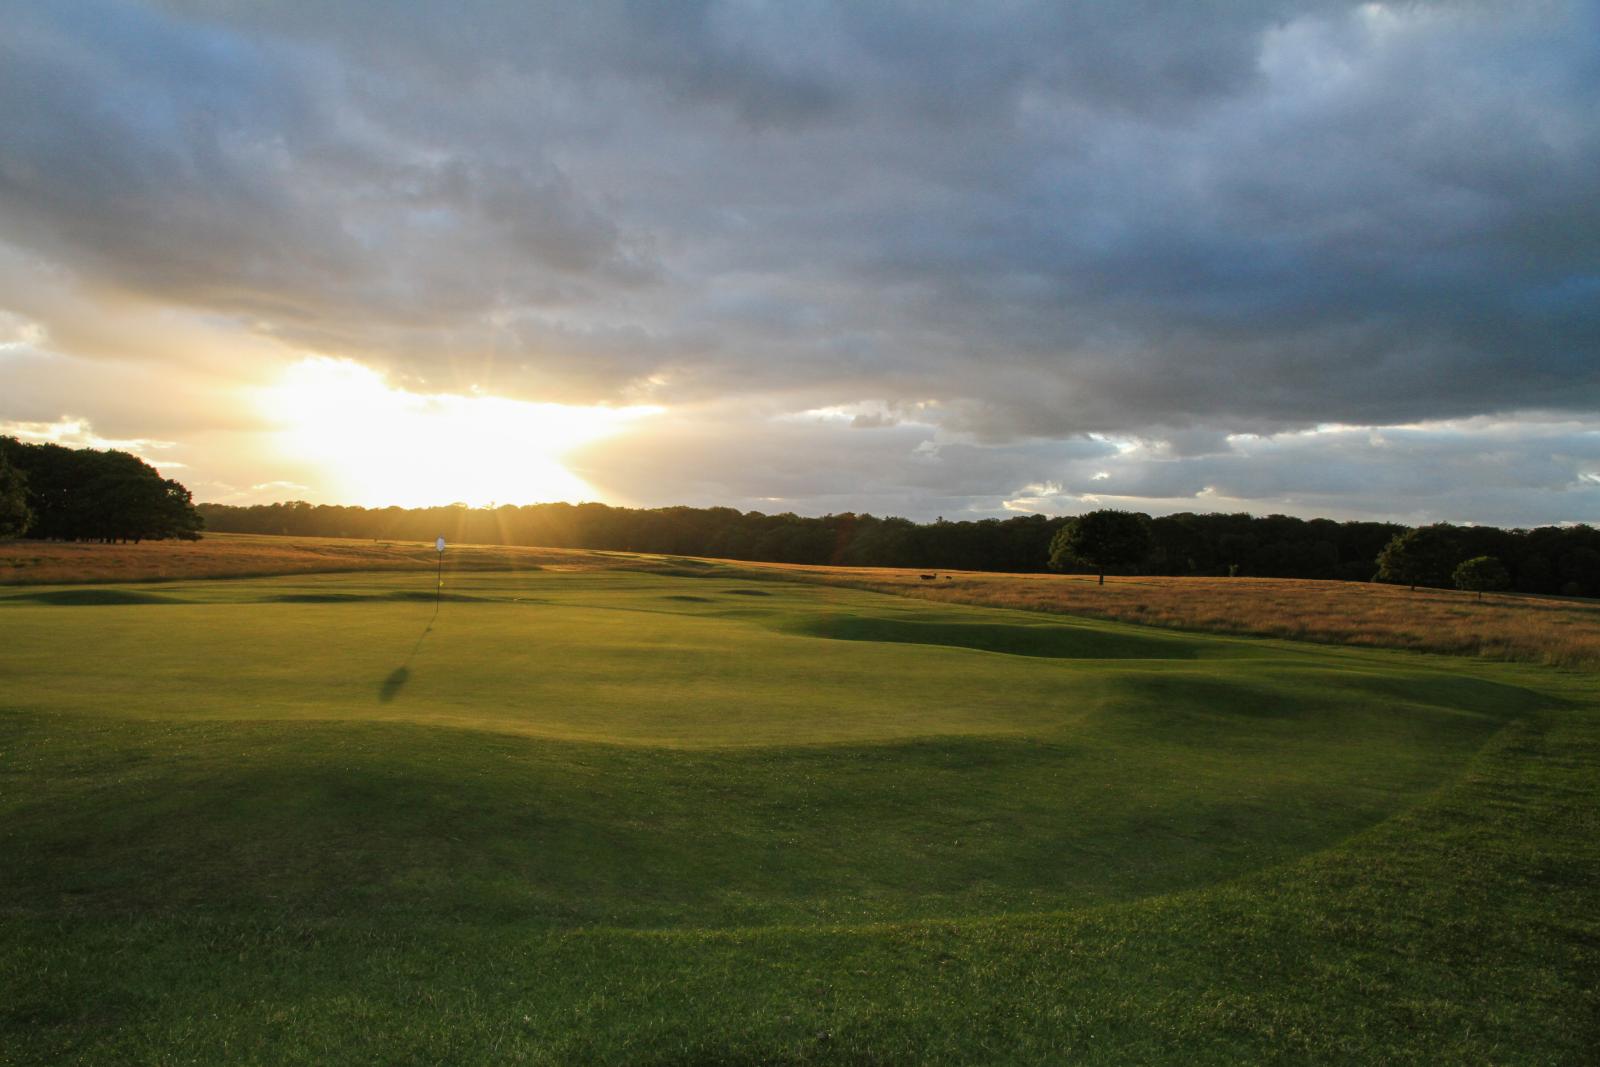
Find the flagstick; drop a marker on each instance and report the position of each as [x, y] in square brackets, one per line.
[438, 589]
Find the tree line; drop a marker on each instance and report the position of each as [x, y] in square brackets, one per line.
[51, 492]
[1550, 559]
[1187, 544]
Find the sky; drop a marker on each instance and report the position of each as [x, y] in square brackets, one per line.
[936, 259]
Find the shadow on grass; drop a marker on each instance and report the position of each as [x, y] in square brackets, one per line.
[94, 597]
[393, 684]
[357, 598]
[1051, 642]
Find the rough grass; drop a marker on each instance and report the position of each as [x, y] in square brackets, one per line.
[606, 817]
[256, 555]
[1554, 631]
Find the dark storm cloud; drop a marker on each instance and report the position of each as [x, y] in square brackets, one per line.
[1166, 221]
[190, 163]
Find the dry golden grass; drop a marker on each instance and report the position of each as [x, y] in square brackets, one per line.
[256, 555]
[1551, 630]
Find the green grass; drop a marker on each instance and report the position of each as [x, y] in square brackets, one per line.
[633, 818]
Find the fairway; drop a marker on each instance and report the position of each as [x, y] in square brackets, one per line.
[673, 817]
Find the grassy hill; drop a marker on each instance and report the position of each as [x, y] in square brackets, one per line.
[587, 814]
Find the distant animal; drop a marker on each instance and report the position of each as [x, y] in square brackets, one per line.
[929, 577]
[949, 577]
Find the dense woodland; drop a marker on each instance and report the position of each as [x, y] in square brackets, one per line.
[1546, 560]
[82, 494]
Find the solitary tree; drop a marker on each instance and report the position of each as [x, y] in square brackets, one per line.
[1424, 556]
[1103, 539]
[1482, 574]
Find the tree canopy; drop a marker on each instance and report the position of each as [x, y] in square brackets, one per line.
[1105, 538]
[1424, 556]
[84, 494]
[1482, 574]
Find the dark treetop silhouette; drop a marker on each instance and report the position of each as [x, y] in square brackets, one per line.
[81, 494]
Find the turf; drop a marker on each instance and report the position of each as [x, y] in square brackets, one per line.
[677, 818]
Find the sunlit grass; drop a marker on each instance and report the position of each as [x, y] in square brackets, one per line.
[596, 815]
[255, 555]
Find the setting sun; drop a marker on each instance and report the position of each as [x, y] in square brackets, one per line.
[377, 445]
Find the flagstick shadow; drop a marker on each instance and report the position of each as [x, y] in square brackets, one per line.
[391, 686]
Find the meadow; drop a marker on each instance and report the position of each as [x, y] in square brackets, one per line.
[599, 808]
[1557, 631]
[252, 556]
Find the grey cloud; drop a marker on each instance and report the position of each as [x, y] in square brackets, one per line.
[191, 164]
[721, 456]
[1159, 221]
[1057, 219]
[792, 65]
[1534, 469]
